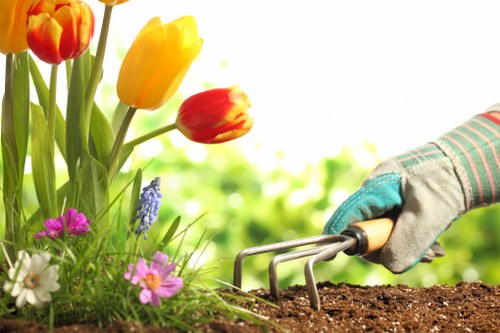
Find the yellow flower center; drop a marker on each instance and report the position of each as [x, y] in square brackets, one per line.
[152, 281]
[32, 281]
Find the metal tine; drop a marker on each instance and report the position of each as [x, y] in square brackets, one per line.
[276, 247]
[273, 273]
[324, 255]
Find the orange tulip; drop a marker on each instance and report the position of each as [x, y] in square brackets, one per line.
[13, 25]
[215, 116]
[113, 2]
[157, 62]
[59, 29]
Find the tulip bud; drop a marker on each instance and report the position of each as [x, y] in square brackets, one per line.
[215, 116]
[59, 29]
[157, 62]
[13, 25]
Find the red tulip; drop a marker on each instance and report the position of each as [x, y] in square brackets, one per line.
[215, 116]
[59, 29]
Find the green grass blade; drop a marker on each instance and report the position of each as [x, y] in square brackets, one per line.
[171, 232]
[134, 198]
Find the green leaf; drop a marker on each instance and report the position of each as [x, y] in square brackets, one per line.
[124, 154]
[75, 106]
[21, 108]
[14, 141]
[43, 164]
[171, 232]
[94, 197]
[62, 194]
[118, 115]
[134, 197]
[43, 97]
[103, 136]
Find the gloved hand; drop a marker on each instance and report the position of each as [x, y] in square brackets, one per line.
[429, 187]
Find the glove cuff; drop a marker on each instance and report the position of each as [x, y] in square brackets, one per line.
[473, 150]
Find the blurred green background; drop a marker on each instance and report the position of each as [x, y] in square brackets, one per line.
[243, 204]
[246, 204]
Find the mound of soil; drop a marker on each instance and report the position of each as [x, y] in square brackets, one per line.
[466, 307]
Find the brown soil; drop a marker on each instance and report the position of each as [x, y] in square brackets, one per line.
[466, 307]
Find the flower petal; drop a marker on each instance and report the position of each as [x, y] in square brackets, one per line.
[169, 286]
[21, 299]
[53, 225]
[145, 296]
[42, 295]
[155, 299]
[30, 297]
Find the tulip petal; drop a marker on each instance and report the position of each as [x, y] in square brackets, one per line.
[69, 43]
[44, 34]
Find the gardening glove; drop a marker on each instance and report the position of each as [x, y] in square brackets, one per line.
[429, 187]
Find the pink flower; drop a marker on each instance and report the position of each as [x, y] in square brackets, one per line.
[155, 279]
[72, 223]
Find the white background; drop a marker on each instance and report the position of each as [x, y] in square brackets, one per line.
[326, 74]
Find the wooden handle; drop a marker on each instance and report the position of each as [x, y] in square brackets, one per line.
[370, 235]
[377, 232]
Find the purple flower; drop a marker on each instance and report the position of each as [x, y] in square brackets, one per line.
[155, 279]
[72, 223]
[149, 204]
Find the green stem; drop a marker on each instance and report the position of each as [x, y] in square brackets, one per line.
[136, 246]
[114, 157]
[151, 135]
[95, 76]
[68, 73]
[8, 152]
[51, 114]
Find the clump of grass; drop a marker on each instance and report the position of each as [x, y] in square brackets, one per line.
[94, 290]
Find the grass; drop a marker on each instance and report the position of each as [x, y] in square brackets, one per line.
[94, 290]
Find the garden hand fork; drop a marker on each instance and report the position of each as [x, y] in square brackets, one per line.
[360, 239]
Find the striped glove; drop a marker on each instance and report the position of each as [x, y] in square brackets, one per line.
[429, 187]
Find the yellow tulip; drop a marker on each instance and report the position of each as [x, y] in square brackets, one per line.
[13, 16]
[157, 62]
[113, 2]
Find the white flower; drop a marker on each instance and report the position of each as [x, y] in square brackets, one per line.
[32, 279]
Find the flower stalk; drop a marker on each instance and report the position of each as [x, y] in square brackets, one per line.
[150, 135]
[114, 158]
[95, 76]
[51, 114]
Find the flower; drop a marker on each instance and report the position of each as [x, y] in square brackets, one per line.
[13, 25]
[149, 204]
[157, 62]
[155, 279]
[113, 2]
[59, 29]
[32, 279]
[72, 223]
[215, 116]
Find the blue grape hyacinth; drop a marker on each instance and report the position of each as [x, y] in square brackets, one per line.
[149, 204]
